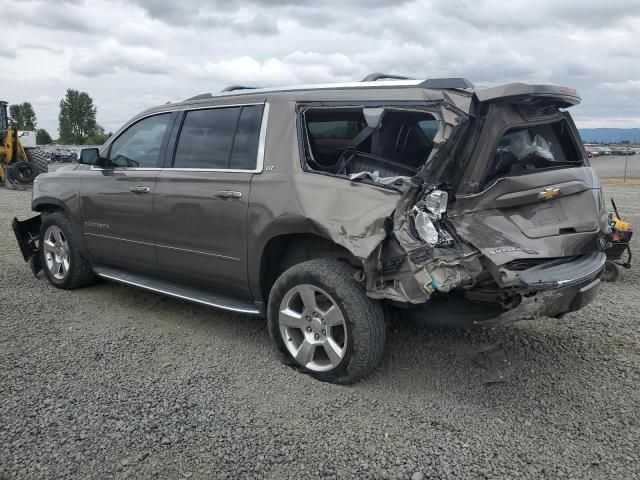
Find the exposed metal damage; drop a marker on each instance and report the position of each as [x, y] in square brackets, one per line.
[428, 241]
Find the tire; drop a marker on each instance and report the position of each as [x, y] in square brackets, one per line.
[610, 272]
[60, 254]
[23, 172]
[39, 160]
[353, 344]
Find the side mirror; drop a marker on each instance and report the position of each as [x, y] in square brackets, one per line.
[91, 156]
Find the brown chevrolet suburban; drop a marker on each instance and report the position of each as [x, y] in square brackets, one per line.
[320, 207]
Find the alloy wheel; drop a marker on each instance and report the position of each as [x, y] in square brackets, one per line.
[56, 252]
[313, 328]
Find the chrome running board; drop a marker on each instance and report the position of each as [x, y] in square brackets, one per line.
[183, 292]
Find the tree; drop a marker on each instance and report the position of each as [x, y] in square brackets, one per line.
[98, 136]
[43, 137]
[77, 118]
[23, 116]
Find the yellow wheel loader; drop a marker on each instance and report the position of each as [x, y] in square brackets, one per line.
[18, 165]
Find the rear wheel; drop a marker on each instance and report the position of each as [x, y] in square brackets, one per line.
[322, 321]
[60, 255]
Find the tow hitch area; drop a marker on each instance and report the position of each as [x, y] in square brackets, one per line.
[27, 234]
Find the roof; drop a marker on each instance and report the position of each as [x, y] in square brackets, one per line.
[384, 81]
[459, 91]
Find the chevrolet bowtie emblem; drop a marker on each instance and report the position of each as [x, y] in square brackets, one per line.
[549, 193]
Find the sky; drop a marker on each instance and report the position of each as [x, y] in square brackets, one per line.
[134, 54]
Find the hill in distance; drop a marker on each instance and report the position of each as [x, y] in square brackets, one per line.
[610, 135]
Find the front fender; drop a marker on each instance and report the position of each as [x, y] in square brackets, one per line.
[60, 191]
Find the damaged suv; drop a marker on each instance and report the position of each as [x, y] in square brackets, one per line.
[320, 207]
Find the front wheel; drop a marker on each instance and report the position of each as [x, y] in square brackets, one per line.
[60, 254]
[322, 321]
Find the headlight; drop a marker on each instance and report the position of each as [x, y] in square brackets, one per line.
[436, 202]
[425, 227]
[426, 215]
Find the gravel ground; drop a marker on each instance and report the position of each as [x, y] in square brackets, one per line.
[112, 382]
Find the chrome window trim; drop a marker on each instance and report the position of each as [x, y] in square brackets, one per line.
[262, 140]
[127, 169]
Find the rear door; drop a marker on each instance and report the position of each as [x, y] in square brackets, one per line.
[201, 198]
[531, 192]
[117, 201]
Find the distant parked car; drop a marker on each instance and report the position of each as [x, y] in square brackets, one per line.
[623, 151]
[592, 152]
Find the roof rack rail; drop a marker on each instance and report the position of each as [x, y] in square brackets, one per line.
[445, 83]
[232, 88]
[202, 96]
[374, 77]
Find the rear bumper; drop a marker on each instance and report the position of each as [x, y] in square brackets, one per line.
[584, 269]
[557, 290]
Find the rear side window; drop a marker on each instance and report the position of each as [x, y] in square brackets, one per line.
[341, 143]
[139, 146]
[524, 150]
[206, 138]
[220, 138]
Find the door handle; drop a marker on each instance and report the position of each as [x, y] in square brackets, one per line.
[227, 194]
[140, 189]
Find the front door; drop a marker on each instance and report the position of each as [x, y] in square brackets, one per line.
[201, 200]
[117, 201]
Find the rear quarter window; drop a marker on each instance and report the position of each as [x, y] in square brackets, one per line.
[339, 142]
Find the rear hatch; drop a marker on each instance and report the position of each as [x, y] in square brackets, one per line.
[528, 193]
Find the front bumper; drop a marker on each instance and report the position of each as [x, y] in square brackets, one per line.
[27, 234]
[555, 291]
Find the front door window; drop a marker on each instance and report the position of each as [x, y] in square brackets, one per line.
[140, 145]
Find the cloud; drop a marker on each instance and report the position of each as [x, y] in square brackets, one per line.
[625, 87]
[111, 57]
[129, 53]
[46, 48]
[297, 67]
[44, 100]
[243, 24]
[8, 51]
[49, 15]
[205, 14]
[518, 14]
